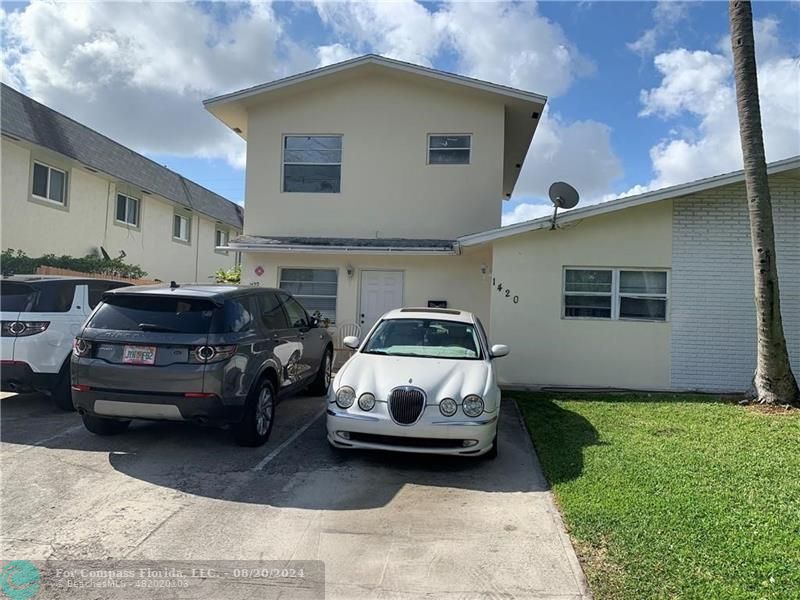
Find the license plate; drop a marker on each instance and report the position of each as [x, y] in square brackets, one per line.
[139, 355]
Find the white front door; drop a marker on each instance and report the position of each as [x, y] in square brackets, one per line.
[381, 291]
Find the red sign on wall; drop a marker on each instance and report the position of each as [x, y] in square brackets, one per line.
[259, 270]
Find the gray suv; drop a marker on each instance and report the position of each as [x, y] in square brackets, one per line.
[202, 353]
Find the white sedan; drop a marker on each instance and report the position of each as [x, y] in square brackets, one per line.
[423, 380]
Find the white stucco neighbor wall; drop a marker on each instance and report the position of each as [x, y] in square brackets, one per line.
[88, 221]
[713, 314]
[550, 350]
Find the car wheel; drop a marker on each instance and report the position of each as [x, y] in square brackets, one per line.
[259, 415]
[101, 426]
[62, 392]
[492, 454]
[322, 381]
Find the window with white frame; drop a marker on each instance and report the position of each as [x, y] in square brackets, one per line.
[312, 163]
[315, 289]
[221, 237]
[49, 183]
[633, 294]
[127, 210]
[180, 227]
[449, 149]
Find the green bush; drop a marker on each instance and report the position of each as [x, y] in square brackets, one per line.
[16, 261]
[232, 275]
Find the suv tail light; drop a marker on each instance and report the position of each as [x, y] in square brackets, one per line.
[211, 354]
[81, 348]
[23, 328]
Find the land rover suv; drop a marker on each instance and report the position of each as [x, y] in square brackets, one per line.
[40, 317]
[209, 354]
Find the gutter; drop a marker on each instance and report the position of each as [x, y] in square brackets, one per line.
[393, 250]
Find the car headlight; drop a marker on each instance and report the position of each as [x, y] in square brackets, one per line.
[366, 401]
[345, 396]
[448, 407]
[472, 405]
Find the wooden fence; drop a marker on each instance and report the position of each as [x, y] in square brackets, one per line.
[43, 270]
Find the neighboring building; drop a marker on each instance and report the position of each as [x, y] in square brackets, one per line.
[366, 183]
[362, 175]
[67, 189]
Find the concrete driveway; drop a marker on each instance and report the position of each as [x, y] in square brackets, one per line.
[385, 525]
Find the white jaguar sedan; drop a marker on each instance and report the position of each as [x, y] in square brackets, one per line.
[423, 380]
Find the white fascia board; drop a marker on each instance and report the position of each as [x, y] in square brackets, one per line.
[478, 84]
[576, 214]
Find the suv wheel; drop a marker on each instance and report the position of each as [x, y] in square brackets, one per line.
[101, 426]
[256, 425]
[319, 387]
[62, 392]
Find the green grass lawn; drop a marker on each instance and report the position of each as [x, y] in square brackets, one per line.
[674, 496]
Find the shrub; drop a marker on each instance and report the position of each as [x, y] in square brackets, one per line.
[16, 261]
[232, 275]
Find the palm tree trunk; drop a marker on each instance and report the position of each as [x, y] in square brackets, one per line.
[774, 382]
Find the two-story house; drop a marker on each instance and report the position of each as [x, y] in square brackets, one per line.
[67, 189]
[373, 184]
[362, 175]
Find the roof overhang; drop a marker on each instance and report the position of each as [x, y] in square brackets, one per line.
[370, 246]
[789, 166]
[523, 109]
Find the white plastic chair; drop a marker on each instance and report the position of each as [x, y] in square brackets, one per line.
[346, 329]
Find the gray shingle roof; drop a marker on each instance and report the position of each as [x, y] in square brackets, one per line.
[331, 242]
[24, 118]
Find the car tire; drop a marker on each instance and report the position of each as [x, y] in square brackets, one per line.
[259, 415]
[101, 426]
[492, 454]
[62, 392]
[321, 383]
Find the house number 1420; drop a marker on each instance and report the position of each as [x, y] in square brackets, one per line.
[506, 292]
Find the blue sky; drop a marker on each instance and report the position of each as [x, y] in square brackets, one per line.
[640, 92]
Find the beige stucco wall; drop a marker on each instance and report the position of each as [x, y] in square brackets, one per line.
[387, 189]
[547, 349]
[88, 221]
[457, 279]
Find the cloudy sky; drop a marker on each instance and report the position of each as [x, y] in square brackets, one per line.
[640, 93]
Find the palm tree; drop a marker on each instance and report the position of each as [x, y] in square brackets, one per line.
[774, 381]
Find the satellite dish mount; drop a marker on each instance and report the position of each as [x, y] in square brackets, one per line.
[563, 196]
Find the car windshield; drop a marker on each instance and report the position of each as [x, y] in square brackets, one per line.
[427, 338]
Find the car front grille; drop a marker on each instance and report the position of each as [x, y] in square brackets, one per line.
[406, 405]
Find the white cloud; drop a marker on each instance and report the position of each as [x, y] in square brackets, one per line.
[128, 71]
[526, 211]
[334, 53]
[666, 14]
[699, 84]
[577, 152]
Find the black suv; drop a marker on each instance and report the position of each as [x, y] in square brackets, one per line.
[203, 353]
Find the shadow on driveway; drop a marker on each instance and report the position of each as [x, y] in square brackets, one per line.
[307, 473]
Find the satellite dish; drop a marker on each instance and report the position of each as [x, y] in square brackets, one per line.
[104, 253]
[564, 196]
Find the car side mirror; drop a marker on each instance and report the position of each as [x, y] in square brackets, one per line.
[352, 342]
[500, 350]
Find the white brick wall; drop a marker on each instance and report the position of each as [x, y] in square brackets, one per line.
[712, 310]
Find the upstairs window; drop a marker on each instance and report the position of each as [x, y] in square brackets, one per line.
[449, 149]
[628, 294]
[49, 183]
[180, 227]
[127, 210]
[221, 239]
[312, 164]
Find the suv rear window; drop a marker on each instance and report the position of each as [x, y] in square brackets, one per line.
[50, 296]
[153, 313]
